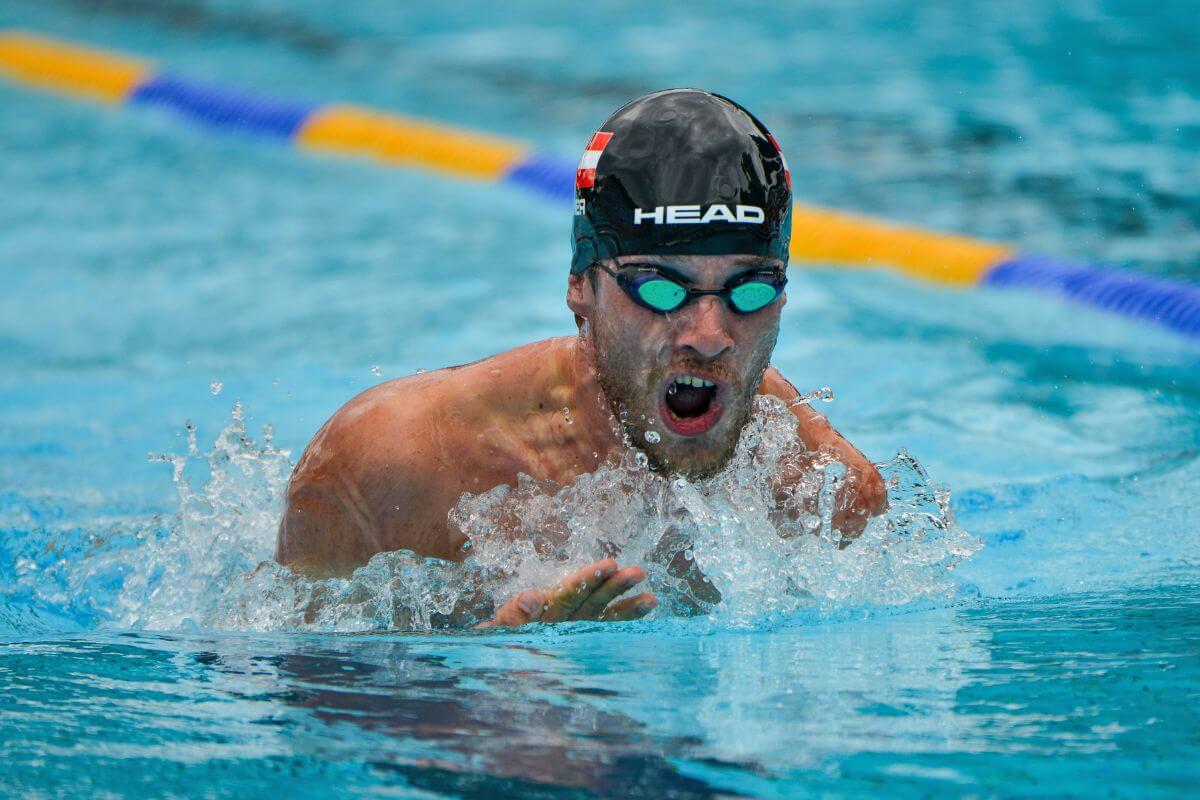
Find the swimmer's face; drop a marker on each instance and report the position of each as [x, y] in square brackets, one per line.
[648, 362]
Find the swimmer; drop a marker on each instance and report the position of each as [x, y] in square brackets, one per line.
[682, 220]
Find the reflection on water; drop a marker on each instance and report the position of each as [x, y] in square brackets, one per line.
[1049, 694]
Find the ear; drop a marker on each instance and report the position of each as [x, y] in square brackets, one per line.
[580, 298]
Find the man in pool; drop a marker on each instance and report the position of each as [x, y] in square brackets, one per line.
[682, 221]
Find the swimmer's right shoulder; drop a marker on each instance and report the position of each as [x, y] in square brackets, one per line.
[388, 415]
[356, 433]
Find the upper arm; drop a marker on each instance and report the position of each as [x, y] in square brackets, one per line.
[326, 524]
[357, 491]
[814, 429]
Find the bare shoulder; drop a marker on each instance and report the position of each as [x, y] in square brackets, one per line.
[773, 383]
[381, 474]
[409, 419]
[354, 469]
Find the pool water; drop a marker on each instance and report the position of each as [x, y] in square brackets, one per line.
[156, 274]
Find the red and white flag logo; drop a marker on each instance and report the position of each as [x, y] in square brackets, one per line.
[787, 173]
[585, 176]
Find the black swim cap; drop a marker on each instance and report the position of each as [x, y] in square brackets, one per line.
[681, 172]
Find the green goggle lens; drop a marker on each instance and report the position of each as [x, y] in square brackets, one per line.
[662, 294]
[753, 295]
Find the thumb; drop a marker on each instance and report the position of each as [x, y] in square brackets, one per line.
[526, 607]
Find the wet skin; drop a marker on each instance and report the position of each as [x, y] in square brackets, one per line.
[384, 471]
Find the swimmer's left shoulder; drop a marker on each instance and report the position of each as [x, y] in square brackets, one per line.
[773, 383]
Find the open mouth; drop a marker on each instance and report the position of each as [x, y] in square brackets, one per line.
[690, 405]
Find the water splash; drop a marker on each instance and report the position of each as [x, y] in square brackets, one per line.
[741, 548]
[735, 547]
[229, 505]
[824, 394]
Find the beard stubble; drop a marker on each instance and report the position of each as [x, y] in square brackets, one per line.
[632, 395]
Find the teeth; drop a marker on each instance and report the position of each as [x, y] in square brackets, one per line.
[694, 380]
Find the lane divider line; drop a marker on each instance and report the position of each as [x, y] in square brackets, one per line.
[819, 235]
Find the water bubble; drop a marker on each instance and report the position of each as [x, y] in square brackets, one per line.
[376, 371]
[652, 437]
[215, 387]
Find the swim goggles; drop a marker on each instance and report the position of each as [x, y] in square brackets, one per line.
[661, 290]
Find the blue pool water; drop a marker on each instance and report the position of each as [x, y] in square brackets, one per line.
[155, 274]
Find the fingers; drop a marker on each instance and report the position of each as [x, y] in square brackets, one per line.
[616, 585]
[863, 496]
[849, 522]
[571, 592]
[587, 593]
[526, 607]
[630, 608]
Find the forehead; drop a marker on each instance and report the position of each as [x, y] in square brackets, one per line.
[705, 268]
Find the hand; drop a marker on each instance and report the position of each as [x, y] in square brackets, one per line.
[588, 593]
[862, 496]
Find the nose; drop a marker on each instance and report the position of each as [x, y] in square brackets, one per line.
[702, 329]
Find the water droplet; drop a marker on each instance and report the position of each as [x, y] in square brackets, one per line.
[566, 412]
[215, 387]
[421, 370]
[824, 394]
[687, 554]
[582, 585]
[680, 483]
[376, 371]
[597, 573]
[652, 437]
[673, 389]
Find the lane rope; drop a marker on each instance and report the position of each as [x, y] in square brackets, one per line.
[819, 235]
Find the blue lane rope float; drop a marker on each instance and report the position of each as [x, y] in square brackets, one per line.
[819, 235]
[1130, 294]
[218, 107]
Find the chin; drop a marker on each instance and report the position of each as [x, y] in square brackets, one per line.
[693, 456]
[693, 465]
